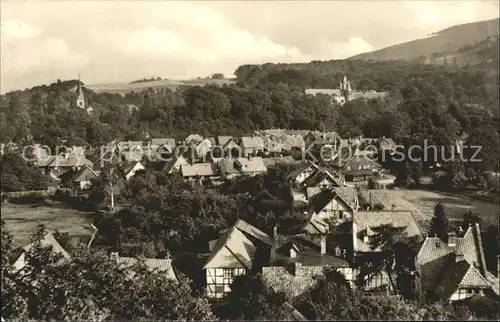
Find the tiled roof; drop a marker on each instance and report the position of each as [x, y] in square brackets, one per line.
[175, 162]
[242, 165]
[315, 226]
[459, 274]
[128, 167]
[325, 91]
[249, 142]
[72, 160]
[44, 161]
[274, 160]
[164, 141]
[223, 139]
[236, 246]
[48, 240]
[199, 169]
[301, 168]
[323, 137]
[315, 179]
[85, 174]
[154, 264]
[435, 254]
[348, 194]
[364, 220]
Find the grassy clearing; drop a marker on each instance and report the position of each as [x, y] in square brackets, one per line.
[422, 202]
[22, 220]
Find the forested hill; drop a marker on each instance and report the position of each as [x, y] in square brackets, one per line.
[426, 101]
[448, 40]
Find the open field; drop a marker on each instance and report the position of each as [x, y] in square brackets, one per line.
[22, 221]
[422, 202]
[122, 88]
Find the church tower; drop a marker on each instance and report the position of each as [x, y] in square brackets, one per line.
[80, 99]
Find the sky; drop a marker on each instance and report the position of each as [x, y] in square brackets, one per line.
[118, 41]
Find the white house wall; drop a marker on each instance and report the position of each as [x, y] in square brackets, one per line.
[332, 210]
[305, 174]
[219, 282]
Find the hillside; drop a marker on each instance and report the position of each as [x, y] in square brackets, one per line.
[448, 40]
[122, 88]
[484, 53]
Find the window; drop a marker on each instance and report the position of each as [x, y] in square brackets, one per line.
[341, 214]
[470, 291]
[228, 273]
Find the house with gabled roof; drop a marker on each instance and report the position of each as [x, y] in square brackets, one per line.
[200, 171]
[317, 139]
[251, 145]
[81, 179]
[455, 269]
[230, 168]
[157, 265]
[69, 161]
[129, 170]
[303, 171]
[355, 165]
[364, 221]
[175, 164]
[228, 147]
[161, 148]
[241, 249]
[337, 204]
[298, 261]
[48, 240]
[324, 178]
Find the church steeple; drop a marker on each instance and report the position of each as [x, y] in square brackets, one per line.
[80, 99]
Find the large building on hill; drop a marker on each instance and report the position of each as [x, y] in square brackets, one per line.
[344, 93]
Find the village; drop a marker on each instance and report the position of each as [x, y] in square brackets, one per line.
[328, 186]
[250, 161]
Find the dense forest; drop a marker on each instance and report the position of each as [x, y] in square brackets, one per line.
[434, 102]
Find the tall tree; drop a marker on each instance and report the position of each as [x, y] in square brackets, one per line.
[440, 222]
[392, 254]
[251, 299]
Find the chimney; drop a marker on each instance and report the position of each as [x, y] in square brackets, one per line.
[323, 244]
[459, 257]
[272, 251]
[114, 256]
[298, 269]
[293, 252]
[452, 239]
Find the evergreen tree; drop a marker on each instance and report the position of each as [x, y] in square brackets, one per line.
[440, 222]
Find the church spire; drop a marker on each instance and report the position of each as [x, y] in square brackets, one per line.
[80, 100]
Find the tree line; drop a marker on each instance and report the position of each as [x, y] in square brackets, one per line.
[425, 102]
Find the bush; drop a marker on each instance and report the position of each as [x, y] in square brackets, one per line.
[378, 206]
[373, 184]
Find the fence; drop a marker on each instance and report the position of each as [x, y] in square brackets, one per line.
[34, 193]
